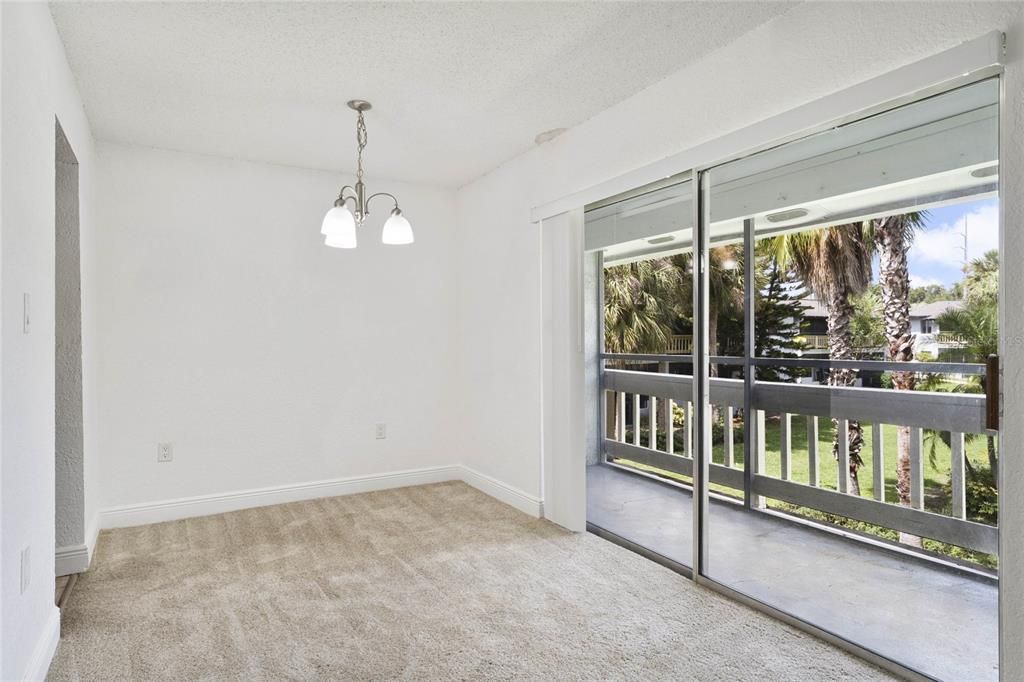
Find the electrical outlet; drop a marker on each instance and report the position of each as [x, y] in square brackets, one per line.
[164, 452]
[382, 431]
[26, 568]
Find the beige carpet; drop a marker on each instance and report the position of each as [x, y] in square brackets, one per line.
[426, 583]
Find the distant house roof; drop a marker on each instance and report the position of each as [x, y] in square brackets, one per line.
[814, 308]
[930, 311]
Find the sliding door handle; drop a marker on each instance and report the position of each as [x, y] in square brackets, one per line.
[992, 392]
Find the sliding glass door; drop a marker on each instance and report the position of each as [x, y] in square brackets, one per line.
[869, 498]
[799, 380]
[640, 493]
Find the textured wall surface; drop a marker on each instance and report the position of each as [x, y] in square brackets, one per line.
[70, 451]
[228, 329]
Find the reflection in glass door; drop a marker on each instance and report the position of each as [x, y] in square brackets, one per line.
[863, 499]
[639, 491]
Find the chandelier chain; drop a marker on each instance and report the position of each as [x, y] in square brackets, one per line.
[361, 142]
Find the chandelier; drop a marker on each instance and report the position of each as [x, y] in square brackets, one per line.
[340, 223]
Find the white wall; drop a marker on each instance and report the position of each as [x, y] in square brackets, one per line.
[227, 328]
[37, 86]
[813, 50]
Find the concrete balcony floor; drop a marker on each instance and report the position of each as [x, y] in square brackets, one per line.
[938, 620]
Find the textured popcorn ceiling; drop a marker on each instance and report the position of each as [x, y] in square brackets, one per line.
[457, 88]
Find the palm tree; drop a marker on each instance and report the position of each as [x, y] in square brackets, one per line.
[640, 306]
[835, 263]
[978, 322]
[892, 237]
[725, 288]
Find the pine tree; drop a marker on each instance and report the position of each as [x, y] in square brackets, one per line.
[779, 313]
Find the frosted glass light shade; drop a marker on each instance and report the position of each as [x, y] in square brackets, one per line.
[397, 229]
[339, 226]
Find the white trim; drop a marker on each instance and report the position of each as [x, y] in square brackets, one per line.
[77, 558]
[514, 497]
[205, 505]
[966, 58]
[39, 664]
[71, 559]
[92, 532]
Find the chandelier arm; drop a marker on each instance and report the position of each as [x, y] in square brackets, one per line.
[340, 201]
[382, 194]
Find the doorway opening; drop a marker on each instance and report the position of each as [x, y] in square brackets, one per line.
[72, 554]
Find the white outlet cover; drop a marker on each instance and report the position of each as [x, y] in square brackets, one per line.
[382, 431]
[164, 452]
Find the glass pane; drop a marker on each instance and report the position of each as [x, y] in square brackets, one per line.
[641, 491]
[874, 508]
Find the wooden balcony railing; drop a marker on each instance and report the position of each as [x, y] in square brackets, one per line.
[802, 406]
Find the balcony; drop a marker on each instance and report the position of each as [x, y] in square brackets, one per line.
[790, 530]
[904, 607]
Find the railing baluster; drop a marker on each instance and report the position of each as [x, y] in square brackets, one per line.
[785, 446]
[843, 463]
[813, 477]
[956, 475]
[757, 501]
[636, 419]
[670, 427]
[689, 429]
[621, 417]
[730, 452]
[652, 422]
[916, 469]
[878, 461]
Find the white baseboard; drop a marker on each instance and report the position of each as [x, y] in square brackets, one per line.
[71, 559]
[45, 648]
[77, 558]
[503, 492]
[205, 505]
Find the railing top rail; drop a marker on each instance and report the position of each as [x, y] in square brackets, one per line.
[669, 357]
[969, 368]
[880, 365]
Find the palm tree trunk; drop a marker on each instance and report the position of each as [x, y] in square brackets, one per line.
[894, 276]
[840, 346]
